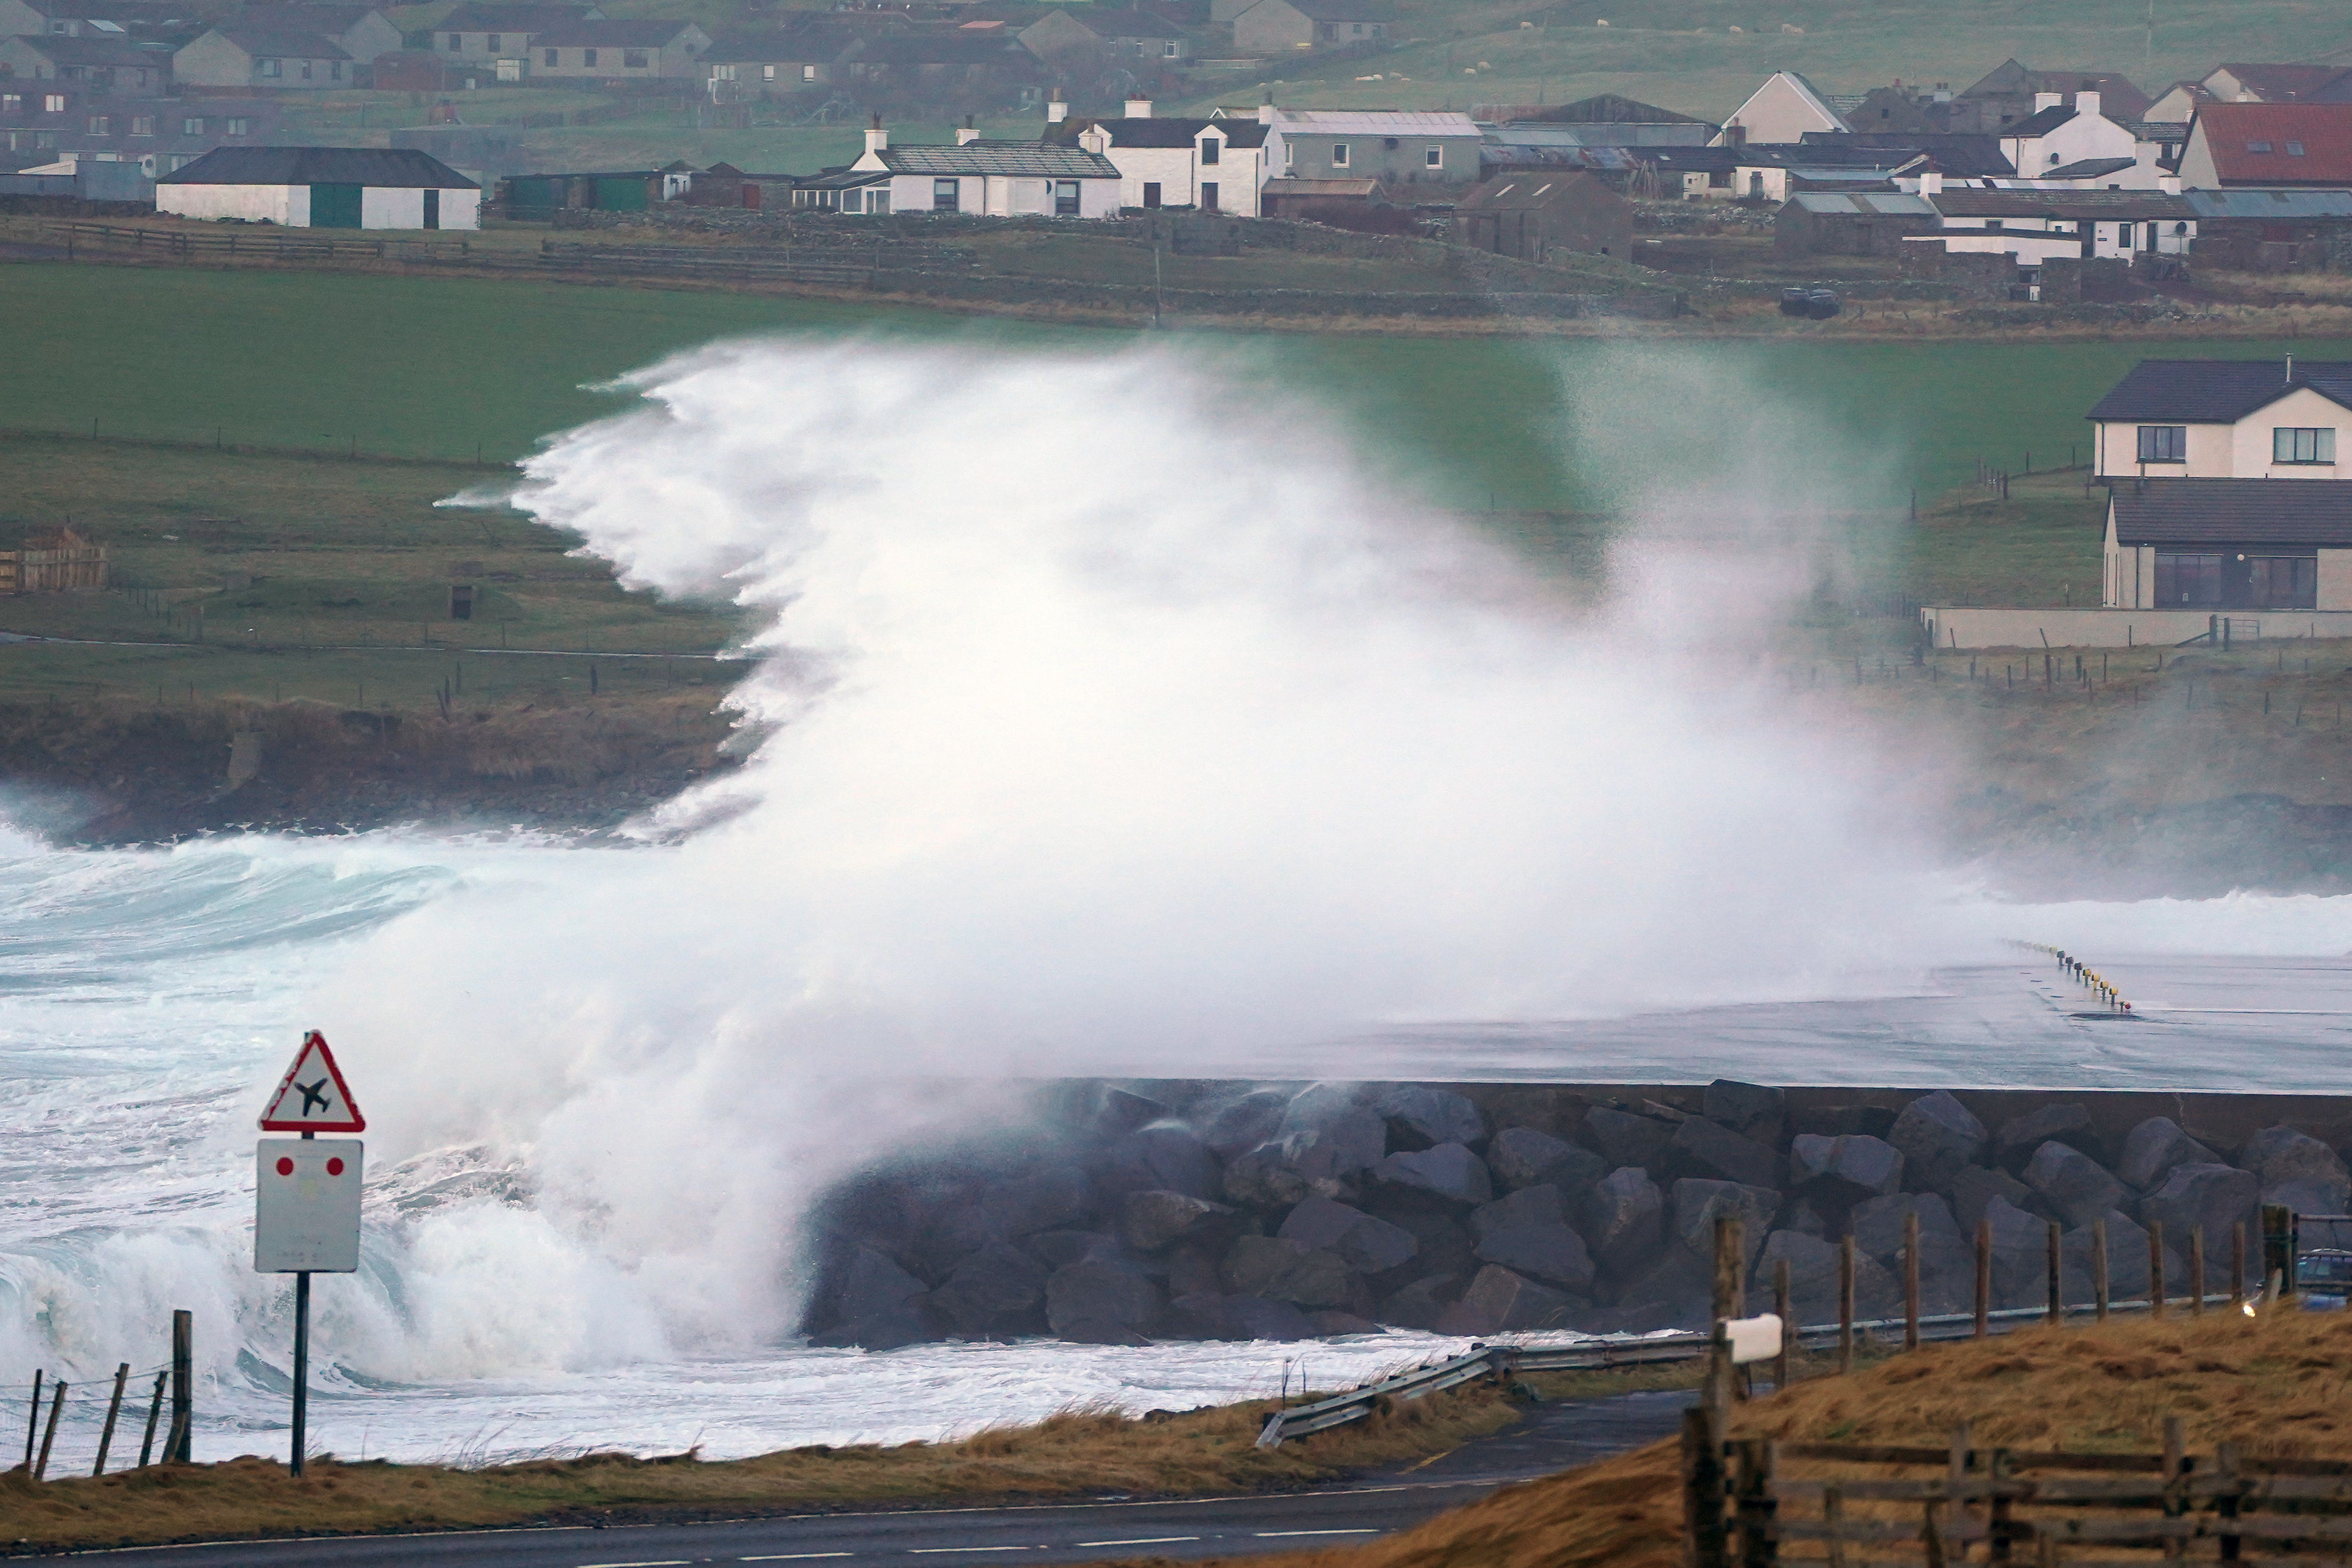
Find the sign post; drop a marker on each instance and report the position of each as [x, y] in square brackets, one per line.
[306, 1201]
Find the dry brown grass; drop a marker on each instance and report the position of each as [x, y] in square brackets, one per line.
[2278, 1387]
[1077, 1453]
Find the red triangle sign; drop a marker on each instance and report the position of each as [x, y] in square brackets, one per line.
[312, 1097]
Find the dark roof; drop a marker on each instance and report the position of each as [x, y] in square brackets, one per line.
[1158, 131]
[107, 51]
[957, 48]
[315, 18]
[398, 167]
[2042, 121]
[1108, 22]
[2216, 391]
[103, 10]
[800, 45]
[2279, 143]
[2276, 83]
[985, 157]
[632, 33]
[493, 18]
[1603, 109]
[1965, 155]
[288, 42]
[2100, 206]
[2235, 511]
[1345, 10]
[2086, 169]
[1530, 191]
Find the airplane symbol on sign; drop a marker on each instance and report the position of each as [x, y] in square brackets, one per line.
[313, 1094]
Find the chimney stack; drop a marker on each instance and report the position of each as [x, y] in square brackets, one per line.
[1931, 183]
[2086, 103]
[965, 134]
[1138, 108]
[1057, 109]
[1094, 139]
[1265, 109]
[877, 138]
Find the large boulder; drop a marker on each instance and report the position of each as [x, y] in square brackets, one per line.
[1500, 1301]
[1151, 1220]
[1622, 1219]
[997, 1290]
[1051, 1199]
[1813, 1281]
[1366, 1245]
[1101, 1303]
[1751, 1110]
[1697, 1204]
[2213, 1196]
[1522, 1156]
[870, 1303]
[1679, 1287]
[2076, 1188]
[1946, 1259]
[1420, 1118]
[1283, 1270]
[1058, 1248]
[1205, 1314]
[2154, 1147]
[1534, 1107]
[1448, 1170]
[1711, 1153]
[953, 1232]
[1420, 1304]
[1527, 1233]
[1846, 1169]
[1624, 1139]
[1938, 1135]
[1161, 1157]
[1975, 1187]
[1245, 1123]
[2303, 1197]
[2127, 1261]
[2281, 1154]
[2020, 1254]
[2068, 1124]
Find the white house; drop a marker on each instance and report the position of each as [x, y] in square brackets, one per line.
[1403, 146]
[998, 179]
[2229, 544]
[2036, 225]
[1782, 111]
[322, 187]
[1213, 165]
[268, 58]
[2060, 136]
[2226, 419]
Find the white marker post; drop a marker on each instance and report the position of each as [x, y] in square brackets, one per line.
[306, 1194]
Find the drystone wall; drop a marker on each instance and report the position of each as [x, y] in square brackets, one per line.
[1134, 1212]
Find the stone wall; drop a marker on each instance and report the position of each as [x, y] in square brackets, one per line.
[1134, 1212]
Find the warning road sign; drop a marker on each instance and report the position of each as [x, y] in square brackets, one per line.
[312, 1097]
[306, 1206]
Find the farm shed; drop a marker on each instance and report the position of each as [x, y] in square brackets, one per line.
[1850, 222]
[323, 187]
[58, 560]
[2273, 230]
[1538, 216]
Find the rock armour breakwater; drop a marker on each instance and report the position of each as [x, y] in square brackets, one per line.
[1131, 1212]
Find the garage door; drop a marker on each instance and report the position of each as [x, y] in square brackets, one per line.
[334, 206]
[620, 196]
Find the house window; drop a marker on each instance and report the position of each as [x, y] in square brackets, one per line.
[1289, 155]
[1168, 50]
[238, 127]
[767, 73]
[1210, 149]
[551, 56]
[722, 73]
[99, 125]
[2279, 582]
[1151, 193]
[142, 125]
[1435, 158]
[455, 43]
[2292, 445]
[2123, 237]
[2164, 443]
[587, 57]
[11, 102]
[53, 104]
[943, 196]
[2294, 149]
[1339, 154]
[808, 73]
[335, 69]
[1208, 195]
[306, 70]
[267, 68]
[496, 40]
[2188, 582]
[633, 60]
[2258, 146]
[1065, 198]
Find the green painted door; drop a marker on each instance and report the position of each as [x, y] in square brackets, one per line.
[620, 196]
[334, 206]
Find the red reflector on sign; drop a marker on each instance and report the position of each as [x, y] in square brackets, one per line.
[286, 1167]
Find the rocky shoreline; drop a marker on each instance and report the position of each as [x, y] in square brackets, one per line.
[1133, 1212]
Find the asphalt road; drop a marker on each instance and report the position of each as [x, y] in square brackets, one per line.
[1552, 1437]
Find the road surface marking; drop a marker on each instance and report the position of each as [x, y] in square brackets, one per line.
[663, 1563]
[794, 1556]
[1271, 1534]
[1141, 1540]
[935, 1550]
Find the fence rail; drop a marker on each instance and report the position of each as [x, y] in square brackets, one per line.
[193, 241]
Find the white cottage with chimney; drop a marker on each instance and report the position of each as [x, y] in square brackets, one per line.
[997, 179]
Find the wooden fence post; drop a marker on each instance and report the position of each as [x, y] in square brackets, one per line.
[177, 1442]
[1730, 1295]
[154, 1409]
[2225, 1465]
[1833, 1521]
[1984, 1278]
[33, 1425]
[1911, 1281]
[1845, 1303]
[2155, 1267]
[1780, 1294]
[2238, 1265]
[2279, 1247]
[2176, 1485]
[2196, 1270]
[2057, 1286]
[1756, 1507]
[49, 1432]
[1705, 1540]
[2099, 1267]
[1956, 1478]
[113, 1410]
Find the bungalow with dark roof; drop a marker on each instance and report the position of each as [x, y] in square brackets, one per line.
[2039, 225]
[740, 65]
[362, 30]
[82, 18]
[999, 179]
[619, 50]
[479, 32]
[2225, 419]
[245, 58]
[1123, 35]
[1292, 26]
[2289, 144]
[2230, 544]
[322, 187]
[97, 63]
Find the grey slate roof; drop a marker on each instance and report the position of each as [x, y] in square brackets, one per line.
[498, 18]
[1159, 131]
[1345, 10]
[2216, 391]
[281, 42]
[2312, 512]
[2283, 205]
[1864, 204]
[2086, 169]
[1034, 160]
[2100, 206]
[2042, 122]
[103, 52]
[624, 34]
[394, 167]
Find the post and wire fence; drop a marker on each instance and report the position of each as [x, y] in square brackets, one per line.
[169, 1391]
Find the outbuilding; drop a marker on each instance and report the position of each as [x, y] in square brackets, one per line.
[1543, 217]
[324, 188]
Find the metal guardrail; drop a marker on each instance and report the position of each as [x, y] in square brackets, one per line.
[1502, 1361]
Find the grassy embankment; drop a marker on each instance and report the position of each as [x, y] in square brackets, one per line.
[1073, 1454]
[2275, 1386]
